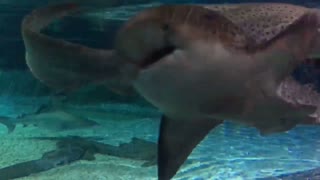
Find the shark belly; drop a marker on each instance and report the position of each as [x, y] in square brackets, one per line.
[194, 84]
[209, 83]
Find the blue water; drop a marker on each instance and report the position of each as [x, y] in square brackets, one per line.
[230, 151]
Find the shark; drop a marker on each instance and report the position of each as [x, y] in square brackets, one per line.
[55, 120]
[199, 64]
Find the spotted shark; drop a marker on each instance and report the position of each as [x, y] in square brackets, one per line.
[198, 64]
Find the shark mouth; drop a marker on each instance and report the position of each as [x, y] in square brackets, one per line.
[300, 90]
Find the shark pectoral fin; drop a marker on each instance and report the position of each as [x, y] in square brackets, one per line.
[60, 64]
[177, 139]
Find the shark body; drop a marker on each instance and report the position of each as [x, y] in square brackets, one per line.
[198, 64]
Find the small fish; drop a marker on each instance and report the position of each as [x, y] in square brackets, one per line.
[57, 120]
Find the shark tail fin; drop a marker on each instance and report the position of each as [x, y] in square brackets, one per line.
[8, 123]
[62, 65]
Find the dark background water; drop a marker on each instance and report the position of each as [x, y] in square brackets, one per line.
[80, 30]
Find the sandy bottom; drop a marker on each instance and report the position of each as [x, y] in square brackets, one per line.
[229, 152]
[17, 147]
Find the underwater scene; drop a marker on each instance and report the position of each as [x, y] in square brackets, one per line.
[159, 90]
